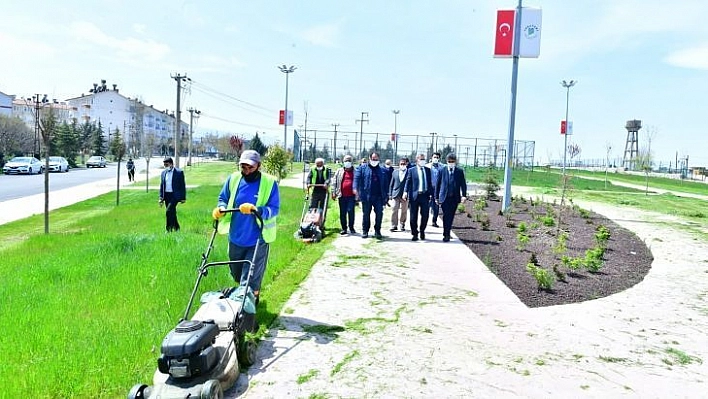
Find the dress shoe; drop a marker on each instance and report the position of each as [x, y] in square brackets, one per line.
[394, 228]
[415, 238]
[403, 228]
[352, 231]
[446, 239]
[378, 236]
[365, 235]
[435, 225]
[422, 235]
[343, 232]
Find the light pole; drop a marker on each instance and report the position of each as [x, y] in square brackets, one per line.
[567, 86]
[287, 71]
[395, 132]
[455, 144]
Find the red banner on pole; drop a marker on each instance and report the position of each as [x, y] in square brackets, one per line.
[563, 127]
[504, 43]
[281, 120]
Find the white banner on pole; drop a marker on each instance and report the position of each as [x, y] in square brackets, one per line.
[530, 37]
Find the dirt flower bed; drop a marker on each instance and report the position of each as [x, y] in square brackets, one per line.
[588, 257]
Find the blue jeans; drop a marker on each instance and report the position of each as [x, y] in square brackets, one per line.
[239, 269]
[435, 208]
[377, 205]
[346, 212]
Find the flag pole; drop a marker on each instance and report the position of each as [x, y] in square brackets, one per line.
[512, 111]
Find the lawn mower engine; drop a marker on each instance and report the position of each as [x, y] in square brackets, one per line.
[187, 350]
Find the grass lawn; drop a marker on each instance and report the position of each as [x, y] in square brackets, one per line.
[677, 185]
[86, 307]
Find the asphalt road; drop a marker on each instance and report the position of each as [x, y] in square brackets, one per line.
[18, 186]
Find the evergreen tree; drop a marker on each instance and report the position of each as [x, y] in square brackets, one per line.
[67, 142]
[85, 136]
[98, 146]
[117, 146]
[257, 145]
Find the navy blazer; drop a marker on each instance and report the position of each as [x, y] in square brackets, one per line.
[179, 190]
[459, 184]
[362, 182]
[397, 186]
[412, 183]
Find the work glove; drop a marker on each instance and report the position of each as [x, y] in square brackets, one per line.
[217, 213]
[246, 208]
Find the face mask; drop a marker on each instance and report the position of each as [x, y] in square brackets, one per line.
[451, 165]
[347, 164]
[436, 160]
[320, 167]
[374, 163]
[253, 176]
[421, 162]
[402, 167]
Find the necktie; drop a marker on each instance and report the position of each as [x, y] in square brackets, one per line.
[422, 170]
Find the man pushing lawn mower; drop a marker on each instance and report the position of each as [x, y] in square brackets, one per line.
[314, 217]
[247, 191]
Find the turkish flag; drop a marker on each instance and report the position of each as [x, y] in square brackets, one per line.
[281, 120]
[563, 127]
[504, 43]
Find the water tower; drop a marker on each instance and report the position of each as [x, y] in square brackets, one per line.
[631, 148]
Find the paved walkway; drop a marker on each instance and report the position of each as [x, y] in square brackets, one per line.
[428, 319]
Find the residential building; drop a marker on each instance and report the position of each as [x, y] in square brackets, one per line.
[6, 104]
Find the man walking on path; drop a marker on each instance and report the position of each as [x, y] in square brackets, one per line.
[395, 193]
[319, 178]
[435, 168]
[419, 191]
[343, 191]
[130, 165]
[450, 191]
[173, 191]
[371, 187]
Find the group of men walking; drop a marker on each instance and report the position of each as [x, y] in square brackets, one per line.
[411, 189]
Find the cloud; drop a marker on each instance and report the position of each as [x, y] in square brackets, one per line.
[129, 49]
[693, 57]
[139, 28]
[325, 35]
[216, 63]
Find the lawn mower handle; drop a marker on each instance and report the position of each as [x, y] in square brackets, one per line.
[205, 256]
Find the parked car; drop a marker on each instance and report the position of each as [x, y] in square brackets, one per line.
[96, 161]
[58, 164]
[28, 165]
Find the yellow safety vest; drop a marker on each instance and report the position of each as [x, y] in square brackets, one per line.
[265, 188]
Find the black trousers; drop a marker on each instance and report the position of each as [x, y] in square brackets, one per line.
[318, 199]
[421, 206]
[449, 207]
[131, 174]
[171, 212]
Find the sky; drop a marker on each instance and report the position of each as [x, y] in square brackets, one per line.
[432, 60]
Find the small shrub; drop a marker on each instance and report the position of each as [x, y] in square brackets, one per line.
[523, 241]
[480, 204]
[522, 227]
[593, 259]
[584, 213]
[544, 278]
[561, 243]
[484, 221]
[548, 221]
[491, 184]
[560, 276]
[572, 263]
[602, 236]
[533, 259]
[460, 208]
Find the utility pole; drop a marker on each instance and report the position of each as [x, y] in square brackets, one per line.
[306, 112]
[287, 71]
[455, 144]
[335, 140]
[178, 114]
[361, 131]
[192, 111]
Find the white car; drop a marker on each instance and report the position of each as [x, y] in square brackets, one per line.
[96, 161]
[58, 164]
[28, 165]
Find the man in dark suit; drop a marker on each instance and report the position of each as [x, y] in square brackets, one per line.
[419, 190]
[371, 187]
[450, 191]
[395, 193]
[172, 192]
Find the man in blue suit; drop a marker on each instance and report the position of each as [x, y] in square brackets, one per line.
[419, 191]
[450, 191]
[435, 168]
[371, 188]
[172, 192]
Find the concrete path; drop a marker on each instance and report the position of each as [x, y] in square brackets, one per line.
[427, 319]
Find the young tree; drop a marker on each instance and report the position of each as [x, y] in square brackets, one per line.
[85, 136]
[15, 138]
[276, 161]
[236, 144]
[67, 142]
[98, 146]
[48, 128]
[118, 148]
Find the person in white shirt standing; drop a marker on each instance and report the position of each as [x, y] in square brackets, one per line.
[395, 193]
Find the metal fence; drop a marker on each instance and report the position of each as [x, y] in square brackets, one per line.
[469, 150]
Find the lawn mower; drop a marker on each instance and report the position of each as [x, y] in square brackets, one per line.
[200, 357]
[312, 225]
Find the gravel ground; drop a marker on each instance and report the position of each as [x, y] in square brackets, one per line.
[428, 319]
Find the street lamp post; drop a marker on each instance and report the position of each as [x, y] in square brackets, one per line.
[395, 132]
[455, 144]
[567, 86]
[287, 71]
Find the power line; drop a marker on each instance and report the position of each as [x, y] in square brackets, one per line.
[205, 115]
[232, 97]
